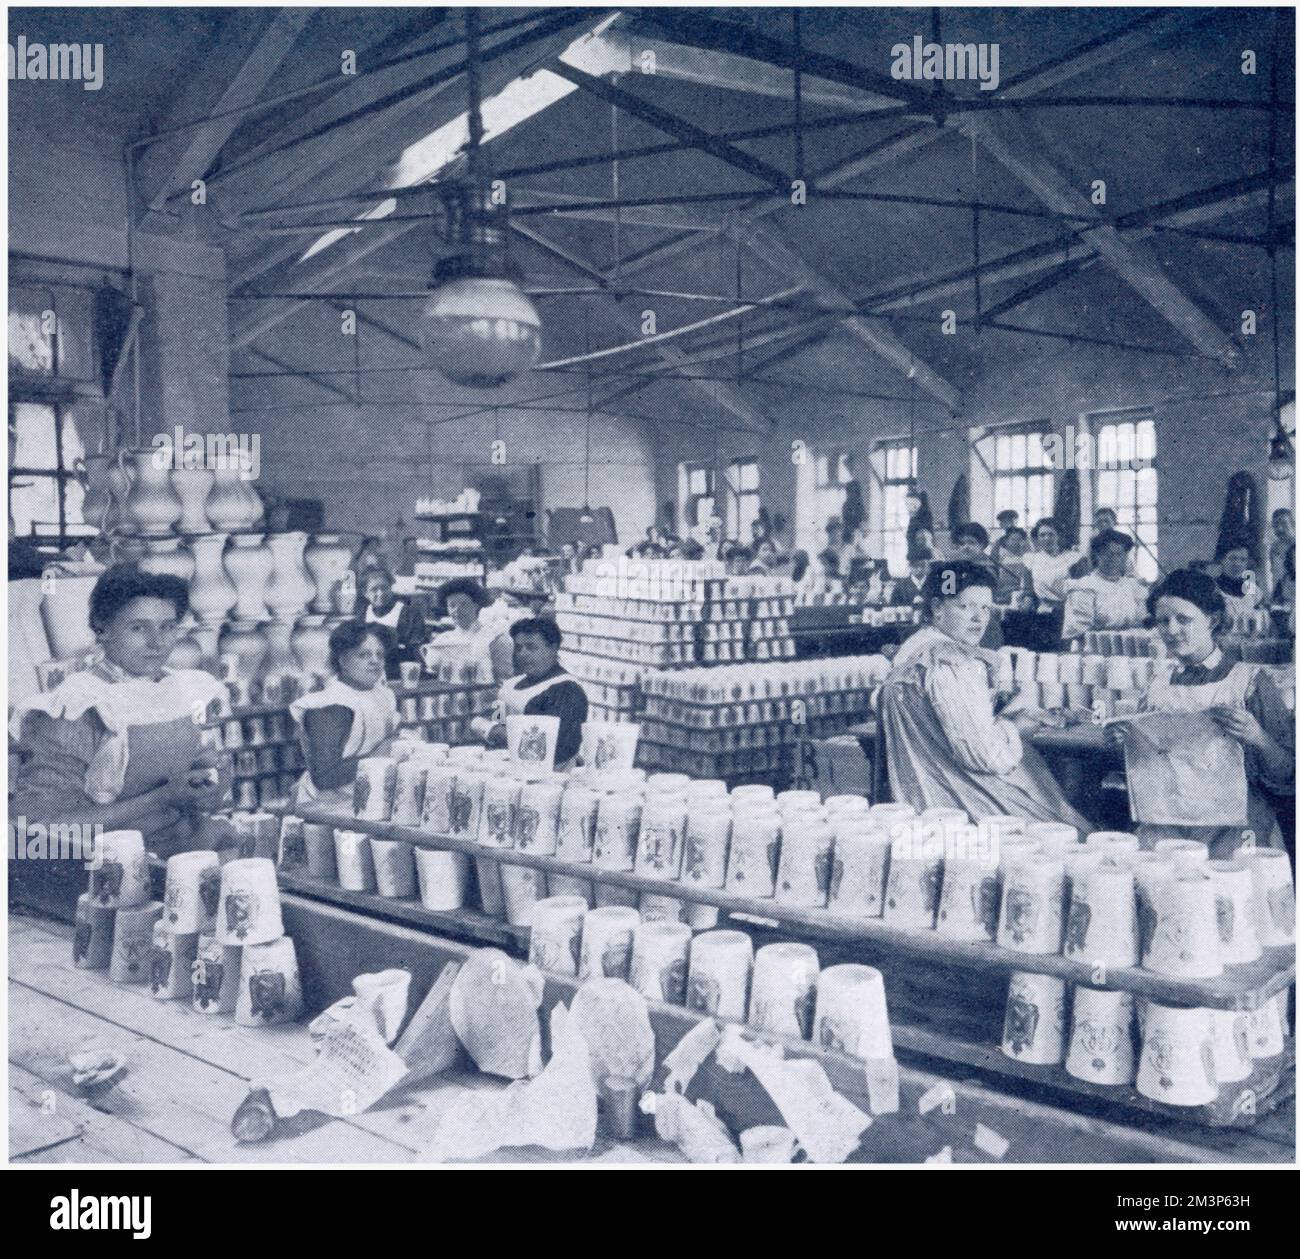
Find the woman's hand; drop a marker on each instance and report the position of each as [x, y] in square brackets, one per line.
[1240, 724]
[200, 785]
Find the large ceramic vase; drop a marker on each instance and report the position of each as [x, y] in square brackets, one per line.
[245, 640]
[281, 674]
[192, 486]
[187, 653]
[152, 507]
[168, 557]
[65, 613]
[290, 588]
[248, 564]
[209, 653]
[100, 504]
[212, 593]
[228, 507]
[328, 560]
[311, 645]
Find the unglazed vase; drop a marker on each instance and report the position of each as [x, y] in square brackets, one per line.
[290, 588]
[245, 640]
[248, 564]
[65, 613]
[209, 653]
[279, 662]
[188, 651]
[169, 557]
[228, 507]
[192, 486]
[212, 593]
[100, 505]
[152, 507]
[328, 559]
[311, 645]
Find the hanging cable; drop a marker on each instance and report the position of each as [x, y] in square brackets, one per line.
[617, 197]
[798, 94]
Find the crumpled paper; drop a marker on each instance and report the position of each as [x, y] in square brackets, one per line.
[493, 1009]
[828, 1126]
[615, 1023]
[693, 1127]
[352, 1070]
[690, 1054]
[556, 1110]
[1182, 770]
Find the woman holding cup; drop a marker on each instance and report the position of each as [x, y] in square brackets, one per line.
[353, 717]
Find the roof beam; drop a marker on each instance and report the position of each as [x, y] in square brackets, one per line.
[1020, 146]
[168, 170]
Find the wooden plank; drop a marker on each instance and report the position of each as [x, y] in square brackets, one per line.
[96, 1137]
[1239, 988]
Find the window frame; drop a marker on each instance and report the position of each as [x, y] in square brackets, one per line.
[892, 540]
[62, 402]
[734, 517]
[1094, 422]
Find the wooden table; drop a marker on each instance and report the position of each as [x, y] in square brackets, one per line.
[188, 1073]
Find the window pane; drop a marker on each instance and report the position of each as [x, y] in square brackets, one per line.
[844, 473]
[34, 426]
[1018, 451]
[34, 500]
[1003, 461]
[1106, 446]
[1146, 440]
[31, 347]
[1125, 444]
[73, 447]
[1034, 450]
[1146, 487]
[73, 494]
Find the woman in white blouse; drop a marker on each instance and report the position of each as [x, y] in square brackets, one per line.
[1108, 597]
[946, 744]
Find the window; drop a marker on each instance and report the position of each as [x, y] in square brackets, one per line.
[895, 466]
[1125, 480]
[819, 487]
[44, 491]
[743, 500]
[1023, 478]
[696, 492]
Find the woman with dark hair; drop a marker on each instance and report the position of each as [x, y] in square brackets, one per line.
[402, 618]
[1108, 597]
[1238, 579]
[353, 716]
[946, 744]
[541, 688]
[471, 640]
[121, 745]
[1188, 608]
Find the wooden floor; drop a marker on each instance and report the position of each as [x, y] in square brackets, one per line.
[188, 1073]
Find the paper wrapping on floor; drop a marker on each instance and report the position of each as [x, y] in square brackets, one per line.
[352, 1070]
[689, 1054]
[828, 1126]
[493, 1007]
[693, 1127]
[615, 1023]
[556, 1110]
[1183, 771]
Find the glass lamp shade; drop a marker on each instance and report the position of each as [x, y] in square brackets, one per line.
[1281, 458]
[480, 333]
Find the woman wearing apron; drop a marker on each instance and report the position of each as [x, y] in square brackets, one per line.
[473, 640]
[353, 716]
[542, 688]
[401, 618]
[1188, 609]
[124, 745]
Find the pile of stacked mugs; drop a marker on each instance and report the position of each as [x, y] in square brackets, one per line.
[444, 714]
[1176, 913]
[216, 938]
[266, 757]
[780, 989]
[1108, 685]
[613, 689]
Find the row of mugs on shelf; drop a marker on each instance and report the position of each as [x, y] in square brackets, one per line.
[1174, 1055]
[1017, 666]
[757, 681]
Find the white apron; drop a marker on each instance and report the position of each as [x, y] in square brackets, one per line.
[374, 719]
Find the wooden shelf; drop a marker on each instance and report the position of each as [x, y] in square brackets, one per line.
[1238, 988]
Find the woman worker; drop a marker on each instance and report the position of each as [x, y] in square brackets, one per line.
[1188, 609]
[121, 746]
[353, 716]
[402, 618]
[1108, 597]
[541, 688]
[472, 640]
[946, 745]
[1238, 580]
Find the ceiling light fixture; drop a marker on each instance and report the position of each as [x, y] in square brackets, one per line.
[478, 328]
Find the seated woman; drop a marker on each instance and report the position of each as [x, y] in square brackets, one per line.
[472, 639]
[120, 746]
[945, 744]
[542, 688]
[1238, 579]
[353, 716]
[1188, 609]
[402, 618]
[1108, 597]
